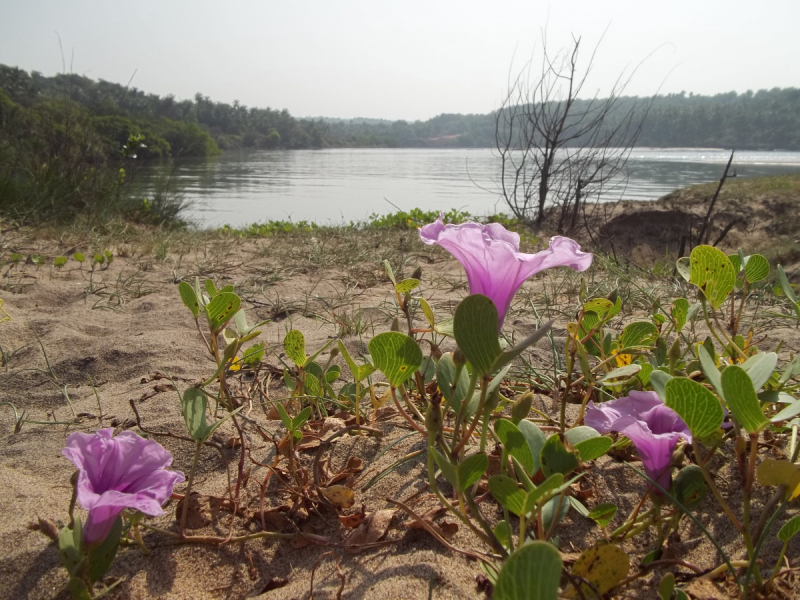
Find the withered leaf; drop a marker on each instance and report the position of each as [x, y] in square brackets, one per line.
[339, 495]
[374, 527]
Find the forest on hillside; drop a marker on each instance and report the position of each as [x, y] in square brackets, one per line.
[762, 120]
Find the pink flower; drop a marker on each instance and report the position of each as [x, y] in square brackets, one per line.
[652, 427]
[490, 255]
[126, 471]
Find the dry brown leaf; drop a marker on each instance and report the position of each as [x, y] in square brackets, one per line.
[374, 527]
[339, 495]
[351, 521]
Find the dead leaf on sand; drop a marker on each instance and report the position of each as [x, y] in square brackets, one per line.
[374, 527]
[339, 495]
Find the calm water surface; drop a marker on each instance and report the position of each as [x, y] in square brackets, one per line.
[334, 186]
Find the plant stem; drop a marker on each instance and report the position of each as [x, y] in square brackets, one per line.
[189, 482]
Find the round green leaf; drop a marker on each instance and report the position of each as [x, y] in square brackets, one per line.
[475, 327]
[515, 443]
[294, 344]
[697, 406]
[533, 572]
[689, 486]
[712, 271]
[396, 355]
[508, 493]
[789, 529]
[756, 268]
[740, 395]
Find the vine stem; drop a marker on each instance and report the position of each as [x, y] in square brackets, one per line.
[190, 481]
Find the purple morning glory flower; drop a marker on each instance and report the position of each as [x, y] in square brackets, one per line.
[652, 427]
[490, 255]
[115, 473]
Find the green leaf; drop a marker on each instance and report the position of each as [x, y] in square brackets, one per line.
[406, 285]
[396, 355]
[77, 589]
[301, 419]
[603, 514]
[713, 272]
[70, 553]
[710, 370]
[508, 493]
[515, 443]
[509, 355]
[786, 286]
[294, 344]
[447, 468]
[689, 486]
[193, 406]
[428, 312]
[445, 327]
[698, 407]
[620, 374]
[756, 268]
[594, 448]
[453, 392]
[388, 267]
[787, 413]
[475, 326]
[760, 368]
[548, 486]
[471, 470]
[79, 257]
[98, 258]
[635, 335]
[603, 566]
[659, 379]
[189, 298]
[556, 458]
[680, 309]
[740, 395]
[533, 572]
[536, 440]
[101, 556]
[287, 420]
[684, 268]
[503, 532]
[578, 434]
[211, 288]
[789, 529]
[59, 261]
[221, 309]
[549, 515]
[666, 587]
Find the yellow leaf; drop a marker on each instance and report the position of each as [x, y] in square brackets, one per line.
[339, 495]
[603, 566]
[780, 472]
[378, 401]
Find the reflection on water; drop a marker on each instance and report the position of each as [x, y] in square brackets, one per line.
[331, 186]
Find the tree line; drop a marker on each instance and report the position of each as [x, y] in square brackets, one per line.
[762, 120]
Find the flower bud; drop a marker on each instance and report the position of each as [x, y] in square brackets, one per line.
[521, 407]
[458, 358]
[433, 418]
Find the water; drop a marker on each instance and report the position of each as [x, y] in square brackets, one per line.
[340, 185]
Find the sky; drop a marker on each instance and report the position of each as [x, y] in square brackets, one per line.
[400, 59]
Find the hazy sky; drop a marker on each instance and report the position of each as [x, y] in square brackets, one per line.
[398, 60]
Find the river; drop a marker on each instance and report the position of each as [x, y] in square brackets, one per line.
[342, 185]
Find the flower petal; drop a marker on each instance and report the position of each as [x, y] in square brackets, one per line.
[603, 416]
[655, 450]
[490, 256]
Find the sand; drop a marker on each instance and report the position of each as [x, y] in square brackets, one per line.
[122, 326]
